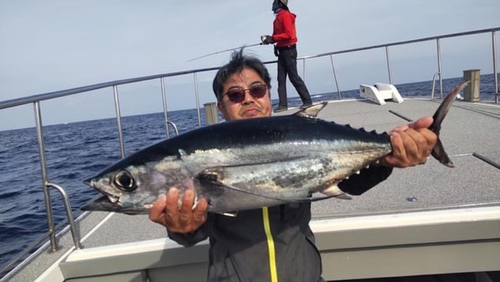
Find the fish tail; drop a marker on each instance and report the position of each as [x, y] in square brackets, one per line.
[438, 152]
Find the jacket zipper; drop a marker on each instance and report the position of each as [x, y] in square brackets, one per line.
[270, 245]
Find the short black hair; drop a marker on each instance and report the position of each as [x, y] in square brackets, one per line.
[282, 4]
[236, 65]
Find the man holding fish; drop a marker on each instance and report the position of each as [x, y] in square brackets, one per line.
[271, 243]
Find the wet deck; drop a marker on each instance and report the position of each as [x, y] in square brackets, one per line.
[470, 128]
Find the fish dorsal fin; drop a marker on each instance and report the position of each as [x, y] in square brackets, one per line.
[311, 111]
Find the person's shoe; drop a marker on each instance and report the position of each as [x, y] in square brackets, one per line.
[306, 105]
[280, 109]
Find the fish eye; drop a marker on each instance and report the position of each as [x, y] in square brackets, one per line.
[124, 181]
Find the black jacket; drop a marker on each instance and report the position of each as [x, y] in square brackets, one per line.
[241, 249]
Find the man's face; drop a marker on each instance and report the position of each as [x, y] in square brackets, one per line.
[249, 106]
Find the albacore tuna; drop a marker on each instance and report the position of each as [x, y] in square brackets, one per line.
[252, 163]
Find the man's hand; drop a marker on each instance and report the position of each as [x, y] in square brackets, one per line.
[267, 39]
[411, 144]
[185, 219]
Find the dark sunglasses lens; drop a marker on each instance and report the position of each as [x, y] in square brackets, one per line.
[258, 91]
[236, 95]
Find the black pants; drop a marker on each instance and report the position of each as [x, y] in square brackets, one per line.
[287, 65]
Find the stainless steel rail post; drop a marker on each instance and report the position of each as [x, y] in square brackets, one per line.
[69, 214]
[174, 126]
[439, 69]
[43, 164]
[119, 120]
[434, 84]
[335, 77]
[388, 64]
[197, 97]
[495, 71]
[165, 105]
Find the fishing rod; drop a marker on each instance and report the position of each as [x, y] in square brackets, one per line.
[251, 45]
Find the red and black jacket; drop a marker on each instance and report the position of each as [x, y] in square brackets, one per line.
[284, 33]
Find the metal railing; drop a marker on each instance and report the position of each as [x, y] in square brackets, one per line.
[495, 69]
[47, 185]
[35, 99]
[434, 84]
[438, 49]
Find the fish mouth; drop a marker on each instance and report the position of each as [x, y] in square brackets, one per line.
[102, 203]
[113, 199]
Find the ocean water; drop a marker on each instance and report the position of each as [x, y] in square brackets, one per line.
[77, 150]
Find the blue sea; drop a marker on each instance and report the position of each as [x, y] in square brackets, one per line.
[77, 150]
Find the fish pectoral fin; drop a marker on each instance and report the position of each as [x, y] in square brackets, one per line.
[227, 174]
[210, 176]
[215, 176]
[334, 191]
[343, 196]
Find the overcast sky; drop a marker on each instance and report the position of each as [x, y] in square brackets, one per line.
[54, 45]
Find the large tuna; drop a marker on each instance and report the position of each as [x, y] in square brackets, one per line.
[247, 164]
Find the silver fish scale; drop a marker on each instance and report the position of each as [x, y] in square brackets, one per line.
[293, 169]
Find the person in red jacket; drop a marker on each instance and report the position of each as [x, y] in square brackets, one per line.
[284, 35]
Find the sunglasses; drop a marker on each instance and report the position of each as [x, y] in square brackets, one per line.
[237, 94]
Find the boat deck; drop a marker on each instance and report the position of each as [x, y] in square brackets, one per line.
[448, 205]
[468, 129]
